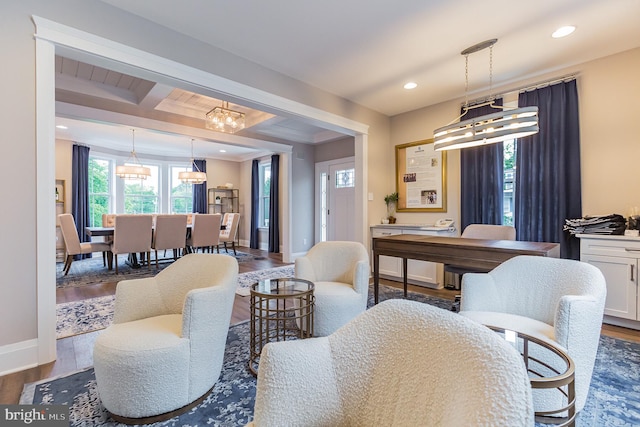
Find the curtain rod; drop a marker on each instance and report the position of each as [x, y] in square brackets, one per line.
[539, 85]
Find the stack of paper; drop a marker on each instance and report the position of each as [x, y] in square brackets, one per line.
[604, 224]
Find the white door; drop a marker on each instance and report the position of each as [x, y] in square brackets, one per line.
[336, 200]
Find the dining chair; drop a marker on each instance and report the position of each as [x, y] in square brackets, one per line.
[229, 234]
[132, 234]
[170, 233]
[72, 243]
[205, 232]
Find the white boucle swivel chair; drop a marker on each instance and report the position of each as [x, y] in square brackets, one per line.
[165, 348]
[557, 300]
[401, 363]
[340, 272]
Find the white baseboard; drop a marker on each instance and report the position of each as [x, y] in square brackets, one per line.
[18, 357]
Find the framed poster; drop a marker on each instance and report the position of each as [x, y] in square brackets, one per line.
[421, 177]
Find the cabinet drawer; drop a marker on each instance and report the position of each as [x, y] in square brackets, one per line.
[620, 247]
[384, 232]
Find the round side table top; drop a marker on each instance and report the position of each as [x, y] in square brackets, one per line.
[283, 287]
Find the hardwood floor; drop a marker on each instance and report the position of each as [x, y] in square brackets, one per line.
[75, 353]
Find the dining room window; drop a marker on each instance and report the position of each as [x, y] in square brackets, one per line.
[100, 185]
[265, 193]
[181, 194]
[142, 196]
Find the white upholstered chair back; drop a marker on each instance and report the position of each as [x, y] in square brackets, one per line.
[533, 286]
[170, 232]
[399, 363]
[132, 233]
[69, 233]
[334, 261]
[489, 232]
[560, 300]
[340, 272]
[205, 231]
[231, 222]
[108, 220]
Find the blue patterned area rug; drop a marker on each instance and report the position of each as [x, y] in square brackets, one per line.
[614, 397]
[91, 270]
[92, 314]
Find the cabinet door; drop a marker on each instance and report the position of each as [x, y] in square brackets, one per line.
[389, 266]
[621, 275]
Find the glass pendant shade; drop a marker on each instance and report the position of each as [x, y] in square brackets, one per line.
[223, 119]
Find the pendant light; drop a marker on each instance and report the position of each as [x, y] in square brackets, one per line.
[505, 124]
[133, 169]
[194, 176]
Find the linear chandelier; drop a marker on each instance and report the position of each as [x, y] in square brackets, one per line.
[506, 124]
[224, 119]
[194, 176]
[132, 168]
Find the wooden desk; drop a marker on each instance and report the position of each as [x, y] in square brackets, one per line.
[469, 253]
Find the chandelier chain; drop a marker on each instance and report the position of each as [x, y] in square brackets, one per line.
[491, 72]
[466, 80]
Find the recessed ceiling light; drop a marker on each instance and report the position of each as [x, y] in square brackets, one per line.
[223, 151]
[62, 127]
[563, 31]
[411, 85]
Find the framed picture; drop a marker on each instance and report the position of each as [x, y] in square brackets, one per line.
[421, 177]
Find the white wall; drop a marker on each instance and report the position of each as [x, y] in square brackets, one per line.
[18, 309]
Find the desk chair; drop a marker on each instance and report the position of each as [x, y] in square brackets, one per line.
[480, 231]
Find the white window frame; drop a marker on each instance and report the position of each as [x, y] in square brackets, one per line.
[262, 215]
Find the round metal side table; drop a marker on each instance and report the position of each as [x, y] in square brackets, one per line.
[281, 309]
[543, 375]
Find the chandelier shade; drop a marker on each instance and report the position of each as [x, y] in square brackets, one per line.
[224, 119]
[132, 168]
[507, 124]
[194, 176]
[487, 129]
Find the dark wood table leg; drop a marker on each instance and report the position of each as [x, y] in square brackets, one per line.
[404, 276]
[376, 276]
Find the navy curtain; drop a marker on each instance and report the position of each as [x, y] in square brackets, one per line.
[200, 190]
[481, 178]
[254, 241]
[274, 211]
[80, 192]
[548, 189]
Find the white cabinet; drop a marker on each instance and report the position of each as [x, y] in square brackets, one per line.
[618, 258]
[422, 273]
